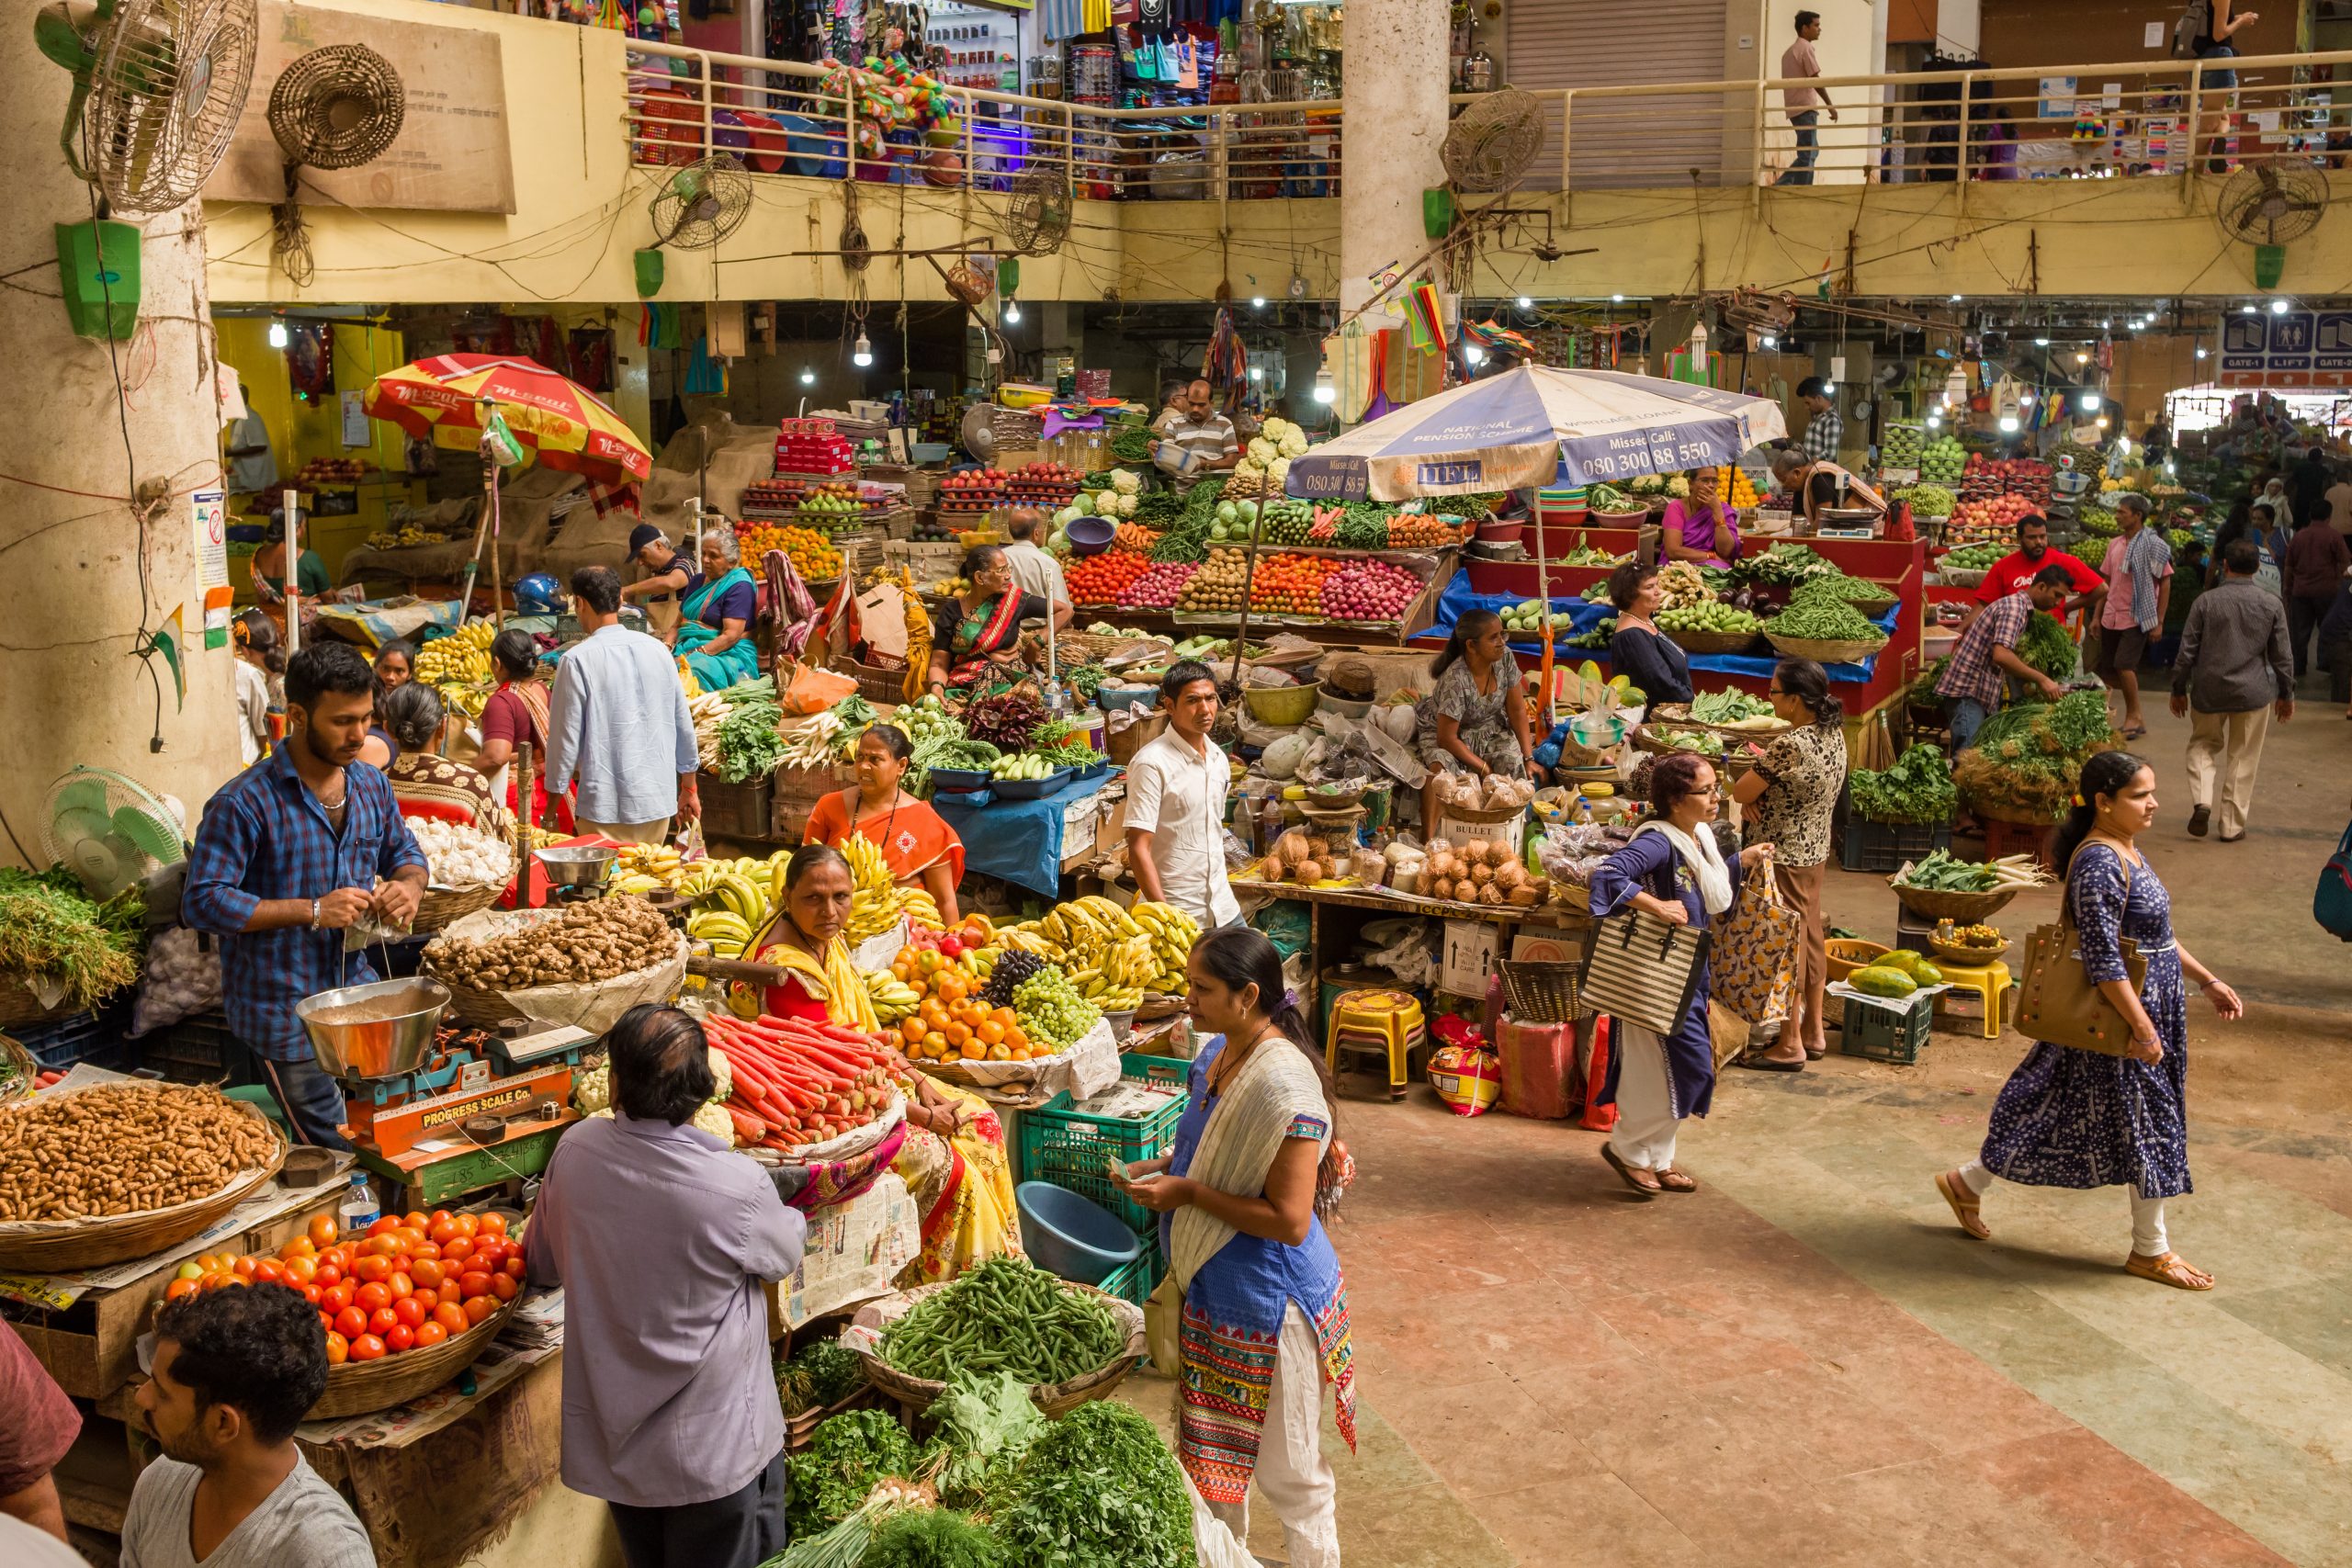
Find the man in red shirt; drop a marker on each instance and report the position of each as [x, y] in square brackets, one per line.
[38, 1424]
[2015, 572]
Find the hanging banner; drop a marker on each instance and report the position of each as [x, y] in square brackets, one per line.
[211, 515]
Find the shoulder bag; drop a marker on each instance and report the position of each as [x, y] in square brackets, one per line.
[2056, 998]
[2331, 902]
[1642, 970]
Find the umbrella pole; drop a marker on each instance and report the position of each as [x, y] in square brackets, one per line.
[1543, 592]
[286, 502]
[497, 587]
[1248, 584]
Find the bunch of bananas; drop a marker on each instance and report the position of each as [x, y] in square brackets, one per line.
[1115, 981]
[731, 901]
[644, 868]
[1172, 933]
[461, 657]
[1105, 949]
[876, 902]
[892, 997]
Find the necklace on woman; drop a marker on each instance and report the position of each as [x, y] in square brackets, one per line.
[1228, 1061]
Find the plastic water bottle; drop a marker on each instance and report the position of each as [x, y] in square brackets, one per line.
[360, 1207]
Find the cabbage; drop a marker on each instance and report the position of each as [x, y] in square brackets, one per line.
[1083, 502]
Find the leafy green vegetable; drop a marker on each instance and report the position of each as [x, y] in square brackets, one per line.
[1782, 563]
[1942, 871]
[1099, 1490]
[51, 930]
[933, 1537]
[1918, 789]
[987, 1422]
[1006, 1314]
[1728, 706]
[844, 1458]
[750, 744]
[2026, 757]
[2045, 645]
[820, 1373]
[1132, 445]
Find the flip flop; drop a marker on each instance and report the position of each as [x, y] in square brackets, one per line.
[1967, 1210]
[2138, 734]
[2168, 1269]
[1673, 1180]
[1767, 1064]
[1649, 1189]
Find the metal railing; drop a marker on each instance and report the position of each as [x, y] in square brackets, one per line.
[2144, 118]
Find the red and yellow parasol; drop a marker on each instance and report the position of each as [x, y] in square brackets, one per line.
[448, 396]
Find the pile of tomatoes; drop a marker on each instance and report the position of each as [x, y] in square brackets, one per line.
[951, 1022]
[1100, 579]
[414, 1282]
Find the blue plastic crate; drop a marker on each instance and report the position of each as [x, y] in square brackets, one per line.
[77, 1037]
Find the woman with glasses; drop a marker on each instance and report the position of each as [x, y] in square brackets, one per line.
[1674, 872]
[1789, 797]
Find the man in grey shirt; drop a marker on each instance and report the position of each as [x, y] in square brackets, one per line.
[661, 1236]
[2232, 673]
[232, 1374]
[620, 724]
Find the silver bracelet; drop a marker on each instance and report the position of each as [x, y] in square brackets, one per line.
[314, 914]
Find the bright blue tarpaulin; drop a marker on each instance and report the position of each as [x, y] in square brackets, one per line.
[1023, 842]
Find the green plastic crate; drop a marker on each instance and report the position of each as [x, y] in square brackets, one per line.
[1139, 1279]
[1066, 1147]
[1886, 1031]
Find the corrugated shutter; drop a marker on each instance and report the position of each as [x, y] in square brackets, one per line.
[1639, 140]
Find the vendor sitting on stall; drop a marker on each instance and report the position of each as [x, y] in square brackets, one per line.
[268, 569]
[422, 777]
[1194, 438]
[1474, 720]
[715, 637]
[1637, 649]
[1702, 528]
[803, 936]
[978, 646]
[1972, 684]
[1816, 484]
[918, 846]
[516, 713]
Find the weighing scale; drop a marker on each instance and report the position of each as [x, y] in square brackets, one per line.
[442, 1112]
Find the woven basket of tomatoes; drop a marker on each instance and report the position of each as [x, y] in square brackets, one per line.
[406, 1307]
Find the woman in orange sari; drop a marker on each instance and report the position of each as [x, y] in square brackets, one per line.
[919, 848]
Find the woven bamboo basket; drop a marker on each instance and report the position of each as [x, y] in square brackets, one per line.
[1542, 991]
[57, 1246]
[359, 1388]
[1713, 642]
[19, 1084]
[1643, 740]
[1964, 908]
[1849, 954]
[1675, 715]
[1056, 1400]
[2000, 811]
[441, 906]
[1825, 650]
[1088, 648]
[18, 1004]
[1879, 605]
[1967, 957]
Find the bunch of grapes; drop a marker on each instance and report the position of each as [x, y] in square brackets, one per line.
[1051, 1010]
[1010, 970]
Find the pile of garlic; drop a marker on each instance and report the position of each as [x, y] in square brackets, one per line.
[461, 855]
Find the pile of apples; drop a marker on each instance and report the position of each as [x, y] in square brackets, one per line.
[973, 489]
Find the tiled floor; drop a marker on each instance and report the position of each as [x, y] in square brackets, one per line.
[1806, 1363]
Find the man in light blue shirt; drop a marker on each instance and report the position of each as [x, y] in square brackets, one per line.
[618, 723]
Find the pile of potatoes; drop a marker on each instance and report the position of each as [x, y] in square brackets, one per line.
[1480, 871]
[124, 1148]
[598, 939]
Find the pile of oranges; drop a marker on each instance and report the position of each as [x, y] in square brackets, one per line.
[951, 1022]
[1292, 584]
[811, 554]
[414, 1282]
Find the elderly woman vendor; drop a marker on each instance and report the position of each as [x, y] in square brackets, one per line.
[714, 635]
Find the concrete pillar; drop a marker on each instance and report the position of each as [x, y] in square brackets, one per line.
[72, 548]
[1393, 112]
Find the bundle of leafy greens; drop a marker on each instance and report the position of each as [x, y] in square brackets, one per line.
[750, 744]
[1917, 790]
[1099, 1489]
[844, 1458]
[2025, 760]
[933, 1537]
[987, 1422]
[2045, 645]
[820, 1373]
[50, 930]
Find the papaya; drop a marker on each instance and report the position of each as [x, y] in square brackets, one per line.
[1926, 974]
[1916, 965]
[1882, 980]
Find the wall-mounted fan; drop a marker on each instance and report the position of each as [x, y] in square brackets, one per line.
[1491, 143]
[158, 87]
[1036, 221]
[111, 831]
[701, 203]
[2270, 203]
[332, 108]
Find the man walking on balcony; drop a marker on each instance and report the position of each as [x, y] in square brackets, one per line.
[1806, 105]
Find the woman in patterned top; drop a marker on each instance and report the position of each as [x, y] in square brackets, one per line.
[419, 775]
[1789, 796]
[2074, 1118]
[1477, 719]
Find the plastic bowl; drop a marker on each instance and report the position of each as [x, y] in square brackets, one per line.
[1347, 707]
[1282, 706]
[1073, 1236]
[960, 779]
[1091, 536]
[1107, 697]
[1496, 531]
[1032, 789]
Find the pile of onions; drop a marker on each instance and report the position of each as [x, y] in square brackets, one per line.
[1370, 590]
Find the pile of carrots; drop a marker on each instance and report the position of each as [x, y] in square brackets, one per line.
[796, 1082]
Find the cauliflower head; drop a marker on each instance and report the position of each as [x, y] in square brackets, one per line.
[1294, 443]
[592, 1091]
[712, 1118]
[1263, 451]
[1278, 470]
[722, 1072]
[1125, 482]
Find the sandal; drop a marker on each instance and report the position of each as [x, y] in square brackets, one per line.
[1674, 1180]
[2168, 1269]
[2139, 734]
[1641, 1181]
[1965, 1206]
[1768, 1063]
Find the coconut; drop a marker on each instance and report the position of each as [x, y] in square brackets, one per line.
[1442, 887]
[1291, 847]
[1524, 896]
[1490, 894]
[1308, 871]
[1481, 875]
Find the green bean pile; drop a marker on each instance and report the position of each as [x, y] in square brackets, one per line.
[1009, 1315]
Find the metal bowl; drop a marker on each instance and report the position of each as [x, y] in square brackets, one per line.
[578, 865]
[376, 1047]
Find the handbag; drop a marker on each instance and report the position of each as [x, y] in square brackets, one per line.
[2056, 998]
[1754, 973]
[1639, 969]
[2332, 901]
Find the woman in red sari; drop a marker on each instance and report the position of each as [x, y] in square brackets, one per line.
[919, 849]
[516, 713]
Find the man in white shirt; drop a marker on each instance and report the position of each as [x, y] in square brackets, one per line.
[1195, 438]
[618, 723]
[252, 466]
[232, 1374]
[1035, 571]
[1176, 791]
[1805, 106]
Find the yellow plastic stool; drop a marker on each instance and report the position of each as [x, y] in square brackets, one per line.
[1393, 1016]
[1990, 981]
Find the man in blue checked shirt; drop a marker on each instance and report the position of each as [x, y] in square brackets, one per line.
[290, 853]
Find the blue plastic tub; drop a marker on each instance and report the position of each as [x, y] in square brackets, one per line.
[1032, 789]
[1109, 698]
[959, 779]
[1091, 536]
[1073, 1236]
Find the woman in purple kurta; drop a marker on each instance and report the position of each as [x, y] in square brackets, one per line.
[1702, 528]
[1671, 870]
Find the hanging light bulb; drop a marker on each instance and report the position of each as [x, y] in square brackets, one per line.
[2246, 309]
[1935, 421]
[2025, 400]
[277, 332]
[2102, 421]
[1256, 372]
[1525, 303]
[2042, 343]
[2008, 424]
[2278, 307]
[2200, 354]
[1955, 298]
[1325, 390]
[861, 353]
[1616, 299]
[1769, 343]
[1257, 302]
[1473, 355]
[808, 377]
[1012, 312]
[2082, 358]
[2088, 402]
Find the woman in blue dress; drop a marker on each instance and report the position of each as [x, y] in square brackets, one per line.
[2074, 1118]
[1265, 1312]
[1671, 870]
[714, 637]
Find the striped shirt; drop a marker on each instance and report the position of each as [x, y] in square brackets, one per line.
[1209, 438]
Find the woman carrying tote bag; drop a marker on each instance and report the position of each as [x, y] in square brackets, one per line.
[1673, 872]
[2078, 1118]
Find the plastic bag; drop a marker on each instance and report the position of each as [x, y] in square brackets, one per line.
[812, 690]
[181, 978]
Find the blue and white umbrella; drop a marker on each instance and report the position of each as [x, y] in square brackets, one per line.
[1537, 426]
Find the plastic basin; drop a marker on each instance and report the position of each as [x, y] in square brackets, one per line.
[1091, 536]
[1282, 706]
[1109, 698]
[1071, 1236]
